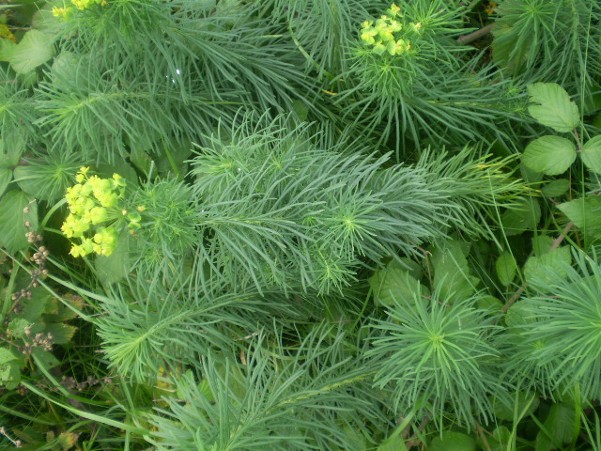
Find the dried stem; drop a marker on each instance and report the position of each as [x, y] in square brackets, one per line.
[475, 35]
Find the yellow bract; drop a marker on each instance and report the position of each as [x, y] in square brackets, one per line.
[382, 36]
[5, 33]
[95, 206]
[80, 5]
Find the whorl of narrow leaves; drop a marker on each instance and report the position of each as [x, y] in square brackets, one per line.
[426, 89]
[557, 345]
[144, 325]
[554, 41]
[311, 397]
[281, 212]
[437, 357]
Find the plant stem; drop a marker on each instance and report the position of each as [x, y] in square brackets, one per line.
[475, 35]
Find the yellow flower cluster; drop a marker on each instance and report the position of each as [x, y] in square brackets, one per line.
[95, 213]
[383, 36]
[490, 8]
[65, 11]
[5, 33]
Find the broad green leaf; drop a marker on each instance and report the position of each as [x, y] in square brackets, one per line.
[529, 175]
[116, 266]
[500, 440]
[175, 161]
[591, 154]
[6, 49]
[489, 303]
[16, 327]
[556, 188]
[29, 79]
[45, 179]
[62, 333]
[541, 244]
[520, 405]
[561, 427]
[395, 283]
[56, 310]
[45, 21]
[524, 216]
[13, 216]
[585, 213]
[506, 267]
[141, 160]
[394, 443]
[6, 176]
[550, 155]
[452, 441]
[551, 106]
[10, 375]
[542, 271]
[12, 147]
[452, 278]
[35, 49]
[33, 308]
[124, 170]
[6, 356]
[519, 314]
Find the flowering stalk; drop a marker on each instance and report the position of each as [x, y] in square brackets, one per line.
[383, 36]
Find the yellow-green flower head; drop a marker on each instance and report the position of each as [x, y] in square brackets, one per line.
[95, 206]
[395, 26]
[82, 174]
[379, 48]
[368, 36]
[66, 11]
[5, 33]
[75, 227]
[96, 215]
[85, 4]
[81, 250]
[105, 241]
[383, 35]
[61, 13]
[394, 10]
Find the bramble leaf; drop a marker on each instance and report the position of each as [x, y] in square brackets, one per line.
[452, 441]
[524, 404]
[551, 106]
[394, 443]
[506, 267]
[561, 426]
[585, 213]
[556, 188]
[541, 271]
[395, 283]
[524, 216]
[591, 154]
[452, 278]
[550, 155]
[541, 244]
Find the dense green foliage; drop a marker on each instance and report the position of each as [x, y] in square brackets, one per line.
[300, 224]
